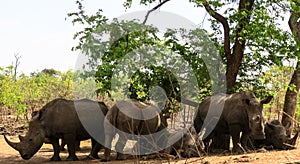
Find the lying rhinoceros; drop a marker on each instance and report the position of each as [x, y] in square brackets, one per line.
[59, 119]
[132, 119]
[187, 146]
[239, 112]
[276, 137]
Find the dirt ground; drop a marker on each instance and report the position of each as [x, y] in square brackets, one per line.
[10, 156]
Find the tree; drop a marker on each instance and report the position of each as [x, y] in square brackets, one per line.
[291, 95]
[248, 32]
[130, 37]
[250, 40]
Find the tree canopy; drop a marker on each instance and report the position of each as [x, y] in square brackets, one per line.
[246, 33]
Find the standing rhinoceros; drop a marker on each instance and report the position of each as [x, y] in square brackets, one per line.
[242, 112]
[130, 119]
[59, 119]
[276, 137]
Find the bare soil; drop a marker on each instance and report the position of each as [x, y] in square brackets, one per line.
[10, 156]
[8, 125]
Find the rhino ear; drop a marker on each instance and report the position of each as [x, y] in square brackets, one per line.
[270, 126]
[247, 102]
[35, 115]
[267, 100]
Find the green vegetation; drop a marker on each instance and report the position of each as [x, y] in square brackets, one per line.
[24, 94]
[29, 93]
[275, 82]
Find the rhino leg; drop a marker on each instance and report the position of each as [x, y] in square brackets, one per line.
[77, 145]
[109, 134]
[220, 141]
[120, 147]
[63, 144]
[206, 142]
[70, 140]
[235, 134]
[244, 141]
[95, 149]
[56, 149]
[162, 141]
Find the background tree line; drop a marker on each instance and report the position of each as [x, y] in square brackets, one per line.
[26, 93]
[22, 94]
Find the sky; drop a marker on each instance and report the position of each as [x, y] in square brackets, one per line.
[39, 32]
[42, 35]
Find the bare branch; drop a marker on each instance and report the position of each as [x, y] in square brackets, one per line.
[17, 62]
[289, 116]
[153, 9]
[225, 24]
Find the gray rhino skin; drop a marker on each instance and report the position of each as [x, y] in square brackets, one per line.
[59, 119]
[242, 112]
[277, 138]
[63, 144]
[118, 120]
[187, 146]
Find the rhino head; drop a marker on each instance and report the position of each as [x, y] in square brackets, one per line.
[191, 144]
[32, 141]
[254, 110]
[277, 137]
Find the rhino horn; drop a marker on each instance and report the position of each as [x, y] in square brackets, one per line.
[12, 144]
[21, 138]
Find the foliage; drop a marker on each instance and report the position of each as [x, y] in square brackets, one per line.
[29, 93]
[266, 44]
[257, 31]
[275, 82]
[151, 60]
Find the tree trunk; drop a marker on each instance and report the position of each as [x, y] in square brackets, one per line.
[234, 58]
[290, 101]
[291, 96]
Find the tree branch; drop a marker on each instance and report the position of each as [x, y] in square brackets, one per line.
[225, 24]
[17, 62]
[295, 25]
[153, 9]
[239, 45]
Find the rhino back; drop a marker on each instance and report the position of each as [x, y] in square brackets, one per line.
[152, 124]
[232, 113]
[59, 117]
[126, 112]
[131, 117]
